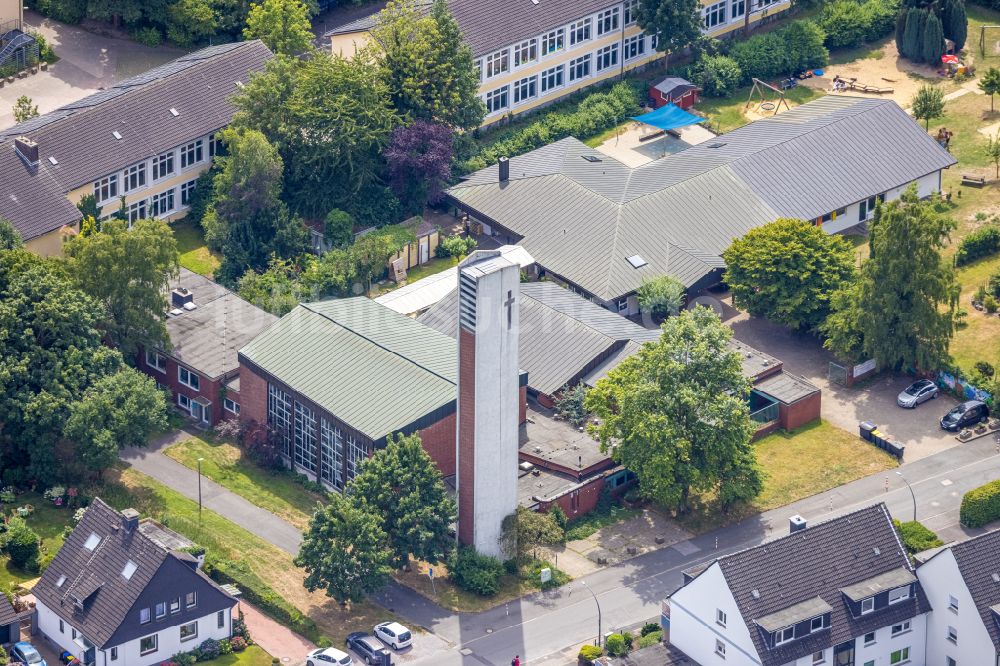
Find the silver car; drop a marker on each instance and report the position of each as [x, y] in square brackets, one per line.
[916, 393]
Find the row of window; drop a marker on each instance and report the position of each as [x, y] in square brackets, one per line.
[159, 610]
[187, 378]
[160, 204]
[900, 656]
[189, 631]
[555, 77]
[141, 174]
[606, 22]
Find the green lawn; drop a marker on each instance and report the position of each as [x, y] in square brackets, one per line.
[48, 521]
[254, 655]
[726, 113]
[585, 526]
[278, 491]
[432, 267]
[194, 254]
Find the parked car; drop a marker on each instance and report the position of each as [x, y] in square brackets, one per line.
[369, 647]
[916, 393]
[969, 413]
[322, 656]
[26, 653]
[394, 634]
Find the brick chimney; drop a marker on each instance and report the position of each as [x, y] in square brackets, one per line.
[27, 150]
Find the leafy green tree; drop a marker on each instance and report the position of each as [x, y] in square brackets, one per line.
[570, 401]
[248, 221]
[661, 296]
[117, 411]
[786, 270]
[276, 290]
[88, 206]
[842, 328]
[21, 543]
[9, 238]
[718, 75]
[676, 414]
[989, 83]
[370, 253]
[676, 23]
[933, 46]
[344, 551]
[993, 152]
[804, 42]
[191, 21]
[955, 22]
[338, 228]
[24, 109]
[907, 291]
[403, 485]
[913, 34]
[525, 531]
[428, 67]
[283, 25]
[927, 104]
[127, 271]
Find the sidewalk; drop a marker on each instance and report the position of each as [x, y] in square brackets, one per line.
[276, 639]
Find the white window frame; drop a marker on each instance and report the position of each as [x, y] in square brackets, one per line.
[156, 612]
[584, 63]
[134, 177]
[622, 304]
[900, 628]
[356, 456]
[158, 362]
[175, 605]
[180, 631]
[864, 639]
[580, 31]
[137, 210]
[501, 96]
[634, 46]
[182, 371]
[525, 52]
[187, 191]
[720, 648]
[184, 402]
[106, 189]
[868, 605]
[629, 15]
[737, 9]
[156, 644]
[608, 21]
[720, 617]
[900, 656]
[161, 162]
[231, 406]
[220, 619]
[552, 78]
[553, 42]
[114, 653]
[497, 63]
[953, 634]
[607, 57]
[479, 68]
[305, 440]
[812, 625]
[782, 636]
[190, 600]
[952, 603]
[525, 89]
[715, 14]
[145, 616]
[819, 657]
[192, 153]
[331, 445]
[898, 594]
[162, 203]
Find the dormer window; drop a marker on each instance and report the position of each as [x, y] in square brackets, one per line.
[816, 624]
[899, 594]
[867, 605]
[783, 636]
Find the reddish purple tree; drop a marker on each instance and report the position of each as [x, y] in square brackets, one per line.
[419, 159]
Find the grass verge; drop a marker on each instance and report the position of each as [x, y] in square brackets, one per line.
[254, 655]
[194, 254]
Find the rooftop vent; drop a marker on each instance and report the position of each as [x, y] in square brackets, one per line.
[877, 551]
[180, 297]
[174, 112]
[755, 593]
[130, 520]
[117, 135]
[175, 312]
[53, 161]
[637, 261]
[504, 166]
[190, 306]
[592, 158]
[717, 144]
[796, 524]
[92, 541]
[526, 466]
[27, 150]
[996, 578]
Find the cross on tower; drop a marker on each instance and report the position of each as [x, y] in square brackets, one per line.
[510, 304]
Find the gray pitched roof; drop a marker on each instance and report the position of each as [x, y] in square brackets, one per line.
[95, 576]
[78, 135]
[488, 26]
[208, 338]
[582, 219]
[818, 563]
[375, 369]
[7, 612]
[562, 336]
[979, 561]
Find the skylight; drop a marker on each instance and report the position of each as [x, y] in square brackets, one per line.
[117, 135]
[174, 112]
[62, 579]
[592, 158]
[53, 161]
[637, 261]
[130, 568]
[92, 541]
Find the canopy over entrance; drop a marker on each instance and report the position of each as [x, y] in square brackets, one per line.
[669, 117]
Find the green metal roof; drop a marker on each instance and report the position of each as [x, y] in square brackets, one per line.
[376, 370]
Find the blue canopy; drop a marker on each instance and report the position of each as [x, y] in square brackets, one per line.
[669, 117]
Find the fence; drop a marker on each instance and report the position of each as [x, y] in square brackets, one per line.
[766, 414]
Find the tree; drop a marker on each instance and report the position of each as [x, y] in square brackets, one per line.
[955, 22]
[338, 228]
[907, 291]
[569, 403]
[928, 103]
[676, 23]
[718, 75]
[419, 159]
[283, 25]
[661, 296]
[344, 551]
[842, 328]
[913, 33]
[88, 206]
[786, 270]
[9, 238]
[248, 221]
[403, 485]
[427, 65]
[21, 543]
[525, 530]
[128, 272]
[989, 83]
[117, 411]
[24, 110]
[993, 152]
[676, 414]
[933, 46]
[276, 290]
[191, 21]
[370, 253]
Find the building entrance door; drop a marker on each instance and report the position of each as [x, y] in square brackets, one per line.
[843, 654]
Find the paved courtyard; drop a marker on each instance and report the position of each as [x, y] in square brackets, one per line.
[88, 63]
[636, 144]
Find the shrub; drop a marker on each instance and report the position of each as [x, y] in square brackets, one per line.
[981, 505]
[184, 659]
[225, 646]
[849, 23]
[67, 11]
[990, 303]
[615, 645]
[238, 644]
[982, 242]
[916, 538]
[569, 403]
[629, 640]
[21, 544]
[649, 628]
[650, 639]
[3, 657]
[148, 36]
[559, 516]
[718, 75]
[479, 574]
[588, 653]
[209, 649]
[993, 285]
[510, 567]
[804, 42]
[455, 246]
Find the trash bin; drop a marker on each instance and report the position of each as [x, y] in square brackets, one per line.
[866, 429]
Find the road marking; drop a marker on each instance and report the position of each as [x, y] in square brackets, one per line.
[946, 482]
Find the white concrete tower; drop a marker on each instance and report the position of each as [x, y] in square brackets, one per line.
[488, 395]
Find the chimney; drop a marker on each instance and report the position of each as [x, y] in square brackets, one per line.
[130, 520]
[503, 163]
[27, 150]
[180, 297]
[796, 524]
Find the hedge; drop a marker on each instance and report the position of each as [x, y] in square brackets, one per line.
[981, 506]
[849, 23]
[916, 538]
[982, 242]
[479, 574]
[794, 48]
[717, 75]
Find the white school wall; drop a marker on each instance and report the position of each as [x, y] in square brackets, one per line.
[926, 185]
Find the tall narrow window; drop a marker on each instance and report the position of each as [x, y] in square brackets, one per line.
[304, 453]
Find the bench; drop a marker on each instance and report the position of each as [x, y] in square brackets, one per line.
[969, 179]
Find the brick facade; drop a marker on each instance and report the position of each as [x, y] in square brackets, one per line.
[578, 502]
[466, 433]
[208, 388]
[253, 396]
[439, 442]
[800, 412]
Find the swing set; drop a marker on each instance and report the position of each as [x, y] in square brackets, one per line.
[759, 91]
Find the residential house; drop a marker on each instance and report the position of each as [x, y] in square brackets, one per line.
[146, 139]
[531, 53]
[123, 591]
[839, 593]
[962, 584]
[10, 622]
[601, 227]
[207, 324]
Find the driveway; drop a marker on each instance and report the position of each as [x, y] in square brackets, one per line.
[88, 63]
[873, 400]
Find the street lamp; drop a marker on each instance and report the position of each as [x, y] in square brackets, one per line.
[584, 583]
[900, 475]
[199, 491]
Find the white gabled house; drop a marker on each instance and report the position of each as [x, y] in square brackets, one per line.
[962, 584]
[123, 592]
[840, 593]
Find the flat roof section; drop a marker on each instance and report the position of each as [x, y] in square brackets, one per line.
[558, 443]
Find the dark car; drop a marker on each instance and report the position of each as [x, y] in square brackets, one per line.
[369, 648]
[969, 413]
